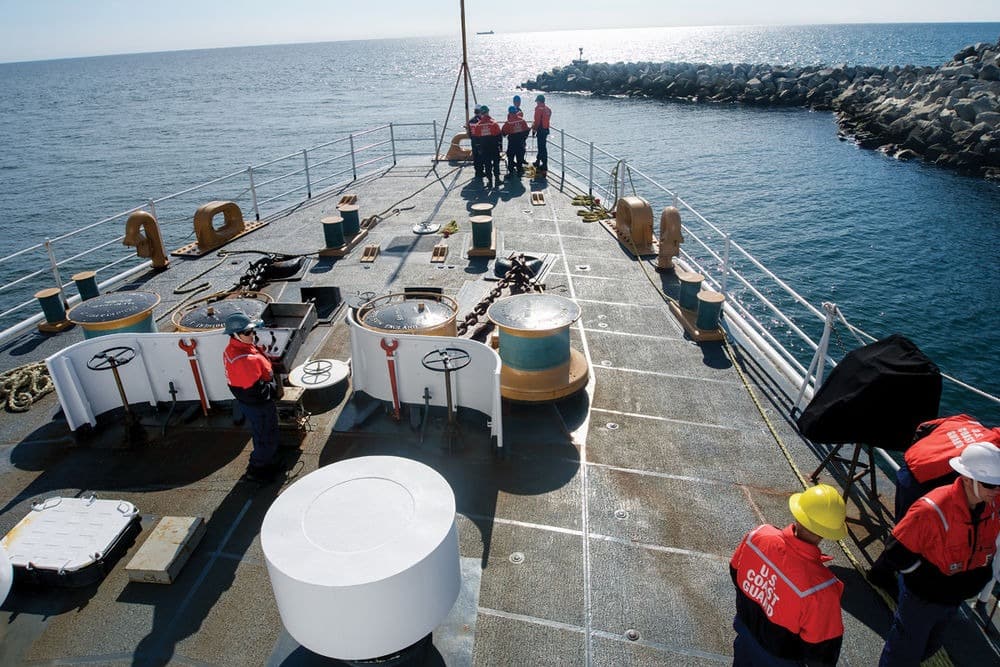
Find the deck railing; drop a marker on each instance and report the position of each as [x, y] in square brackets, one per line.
[798, 339]
[793, 334]
[260, 190]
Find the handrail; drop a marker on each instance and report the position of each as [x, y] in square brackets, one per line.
[727, 261]
[313, 166]
[220, 179]
[600, 170]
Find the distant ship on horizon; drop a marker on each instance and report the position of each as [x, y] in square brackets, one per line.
[485, 32]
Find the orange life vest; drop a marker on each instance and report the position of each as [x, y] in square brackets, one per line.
[486, 127]
[542, 116]
[928, 457]
[515, 124]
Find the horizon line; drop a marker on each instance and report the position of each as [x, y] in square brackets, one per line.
[492, 33]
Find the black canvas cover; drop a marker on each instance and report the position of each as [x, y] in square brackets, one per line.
[877, 395]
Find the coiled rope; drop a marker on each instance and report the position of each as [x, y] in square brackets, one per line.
[22, 386]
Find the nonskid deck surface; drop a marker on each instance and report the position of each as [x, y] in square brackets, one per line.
[601, 537]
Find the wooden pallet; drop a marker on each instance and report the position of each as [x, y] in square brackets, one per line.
[370, 252]
[439, 253]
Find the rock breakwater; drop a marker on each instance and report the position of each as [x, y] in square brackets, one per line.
[947, 115]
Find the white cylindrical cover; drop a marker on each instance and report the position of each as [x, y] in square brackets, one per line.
[363, 556]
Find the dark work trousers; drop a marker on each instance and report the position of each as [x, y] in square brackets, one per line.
[916, 629]
[747, 651]
[263, 422]
[515, 152]
[477, 155]
[490, 149]
[543, 148]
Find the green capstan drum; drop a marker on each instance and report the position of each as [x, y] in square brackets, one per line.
[538, 362]
[116, 312]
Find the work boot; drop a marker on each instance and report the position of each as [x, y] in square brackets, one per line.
[261, 474]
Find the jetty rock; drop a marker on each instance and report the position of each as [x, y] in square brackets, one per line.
[947, 115]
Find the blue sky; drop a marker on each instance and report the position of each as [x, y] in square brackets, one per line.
[41, 29]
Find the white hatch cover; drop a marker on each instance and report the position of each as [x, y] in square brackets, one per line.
[319, 374]
[368, 547]
[67, 534]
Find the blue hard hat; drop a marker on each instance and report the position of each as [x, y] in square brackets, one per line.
[239, 322]
[511, 109]
[484, 108]
[540, 98]
[517, 98]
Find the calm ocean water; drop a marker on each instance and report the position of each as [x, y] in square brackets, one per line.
[899, 246]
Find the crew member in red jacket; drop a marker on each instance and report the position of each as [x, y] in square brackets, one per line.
[540, 129]
[943, 548]
[487, 131]
[787, 601]
[515, 128]
[252, 381]
[474, 142]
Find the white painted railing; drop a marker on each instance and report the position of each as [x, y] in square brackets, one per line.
[261, 190]
[783, 326]
[789, 331]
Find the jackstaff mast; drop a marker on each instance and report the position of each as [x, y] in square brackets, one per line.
[464, 77]
[465, 66]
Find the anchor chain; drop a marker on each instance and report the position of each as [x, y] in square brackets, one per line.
[22, 386]
[519, 278]
[254, 279]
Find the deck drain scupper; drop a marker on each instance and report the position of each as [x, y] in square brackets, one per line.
[611, 426]
[516, 558]
[632, 635]
[621, 515]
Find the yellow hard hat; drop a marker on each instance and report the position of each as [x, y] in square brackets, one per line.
[821, 510]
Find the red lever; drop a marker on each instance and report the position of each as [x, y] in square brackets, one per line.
[390, 345]
[189, 348]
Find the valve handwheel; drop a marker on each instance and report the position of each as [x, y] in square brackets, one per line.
[446, 359]
[113, 357]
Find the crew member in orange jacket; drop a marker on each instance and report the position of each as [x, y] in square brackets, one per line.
[925, 466]
[516, 130]
[488, 132]
[252, 381]
[475, 142]
[540, 129]
[943, 549]
[787, 601]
